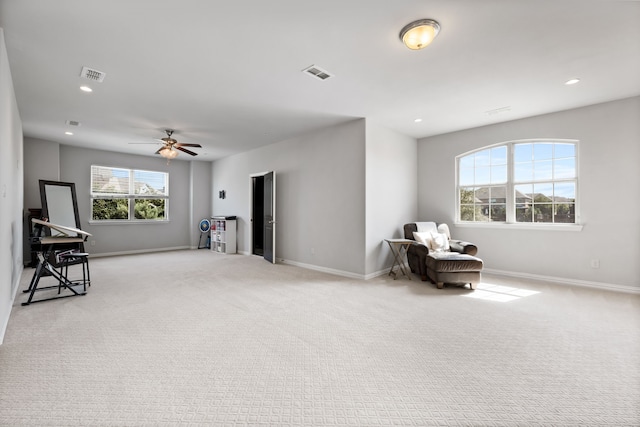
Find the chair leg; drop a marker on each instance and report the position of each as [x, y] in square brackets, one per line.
[473, 286]
[440, 285]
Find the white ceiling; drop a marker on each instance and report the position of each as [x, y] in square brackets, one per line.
[227, 74]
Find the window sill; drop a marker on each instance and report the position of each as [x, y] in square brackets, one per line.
[127, 222]
[520, 226]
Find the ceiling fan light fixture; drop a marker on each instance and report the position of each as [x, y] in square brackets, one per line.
[419, 34]
[169, 153]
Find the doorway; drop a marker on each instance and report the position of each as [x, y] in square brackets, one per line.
[257, 222]
[263, 215]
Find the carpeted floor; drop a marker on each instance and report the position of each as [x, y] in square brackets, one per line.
[196, 338]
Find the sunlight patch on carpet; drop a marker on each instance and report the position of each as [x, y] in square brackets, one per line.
[499, 293]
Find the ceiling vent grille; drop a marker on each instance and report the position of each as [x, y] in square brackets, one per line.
[73, 123]
[93, 75]
[317, 72]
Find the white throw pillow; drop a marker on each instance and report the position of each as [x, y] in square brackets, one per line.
[439, 242]
[423, 237]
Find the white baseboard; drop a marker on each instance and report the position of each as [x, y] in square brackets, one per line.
[565, 281]
[140, 251]
[323, 269]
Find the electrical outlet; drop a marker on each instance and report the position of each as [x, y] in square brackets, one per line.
[595, 263]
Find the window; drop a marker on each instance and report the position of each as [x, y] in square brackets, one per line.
[519, 182]
[119, 194]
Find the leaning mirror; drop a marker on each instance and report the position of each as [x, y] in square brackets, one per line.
[59, 203]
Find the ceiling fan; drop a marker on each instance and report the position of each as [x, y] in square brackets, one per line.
[168, 150]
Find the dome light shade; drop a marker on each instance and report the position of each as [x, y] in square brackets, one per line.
[169, 153]
[419, 34]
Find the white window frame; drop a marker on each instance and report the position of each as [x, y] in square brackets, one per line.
[131, 195]
[510, 191]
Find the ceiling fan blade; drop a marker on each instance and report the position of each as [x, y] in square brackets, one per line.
[180, 144]
[185, 150]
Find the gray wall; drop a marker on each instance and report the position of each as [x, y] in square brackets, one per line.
[340, 192]
[391, 191]
[320, 196]
[189, 193]
[609, 186]
[11, 194]
[200, 186]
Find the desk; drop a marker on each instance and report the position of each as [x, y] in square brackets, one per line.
[44, 250]
[45, 247]
[399, 250]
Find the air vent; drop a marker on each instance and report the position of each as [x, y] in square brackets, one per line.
[72, 123]
[317, 72]
[93, 75]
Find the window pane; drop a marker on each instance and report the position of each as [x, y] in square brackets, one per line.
[564, 168]
[483, 175]
[498, 174]
[543, 170]
[499, 155]
[467, 161]
[483, 158]
[564, 150]
[466, 176]
[499, 212]
[564, 213]
[522, 153]
[149, 209]
[542, 193]
[110, 209]
[484, 213]
[467, 195]
[106, 180]
[498, 194]
[565, 191]
[150, 183]
[523, 213]
[482, 195]
[543, 212]
[542, 151]
[467, 213]
[523, 172]
[523, 193]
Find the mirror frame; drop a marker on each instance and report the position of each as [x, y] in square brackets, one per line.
[43, 198]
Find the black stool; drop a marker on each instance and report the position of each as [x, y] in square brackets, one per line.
[72, 258]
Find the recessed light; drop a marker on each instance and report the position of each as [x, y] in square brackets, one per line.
[417, 120]
[86, 89]
[571, 82]
[68, 133]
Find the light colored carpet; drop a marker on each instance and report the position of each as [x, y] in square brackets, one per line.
[195, 338]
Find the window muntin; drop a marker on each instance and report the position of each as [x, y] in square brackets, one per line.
[119, 194]
[519, 182]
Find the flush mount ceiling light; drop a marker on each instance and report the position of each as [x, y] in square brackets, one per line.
[419, 34]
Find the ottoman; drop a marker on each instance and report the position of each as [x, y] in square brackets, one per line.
[453, 267]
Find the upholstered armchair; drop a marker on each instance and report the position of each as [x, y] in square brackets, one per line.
[451, 261]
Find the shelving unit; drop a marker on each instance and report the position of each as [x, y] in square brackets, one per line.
[223, 235]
